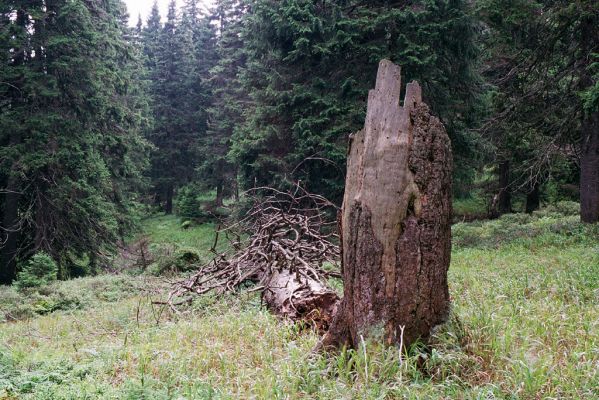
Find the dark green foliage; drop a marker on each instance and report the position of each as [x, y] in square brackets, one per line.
[228, 100]
[189, 204]
[40, 270]
[266, 92]
[179, 97]
[70, 128]
[309, 68]
[541, 62]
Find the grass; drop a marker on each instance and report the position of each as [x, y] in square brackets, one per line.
[525, 325]
[166, 229]
[469, 208]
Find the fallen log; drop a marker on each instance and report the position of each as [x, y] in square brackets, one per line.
[284, 256]
[300, 298]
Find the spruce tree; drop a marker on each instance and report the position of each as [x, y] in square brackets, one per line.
[310, 66]
[544, 72]
[226, 112]
[72, 134]
[177, 99]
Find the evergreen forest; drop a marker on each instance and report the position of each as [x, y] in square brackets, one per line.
[126, 148]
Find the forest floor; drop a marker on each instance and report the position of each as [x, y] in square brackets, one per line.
[524, 325]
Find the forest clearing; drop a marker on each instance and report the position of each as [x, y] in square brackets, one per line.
[299, 199]
[524, 324]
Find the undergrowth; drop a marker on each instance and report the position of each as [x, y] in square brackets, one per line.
[524, 325]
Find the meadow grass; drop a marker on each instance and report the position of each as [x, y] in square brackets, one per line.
[524, 325]
[166, 229]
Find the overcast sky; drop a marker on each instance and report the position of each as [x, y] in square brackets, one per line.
[144, 6]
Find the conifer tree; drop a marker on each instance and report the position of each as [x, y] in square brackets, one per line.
[544, 72]
[70, 132]
[177, 99]
[226, 113]
[310, 65]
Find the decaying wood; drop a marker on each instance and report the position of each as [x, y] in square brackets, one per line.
[284, 257]
[396, 236]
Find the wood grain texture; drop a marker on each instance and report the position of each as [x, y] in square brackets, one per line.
[396, 234]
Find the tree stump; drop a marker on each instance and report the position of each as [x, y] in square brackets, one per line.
[396, 221]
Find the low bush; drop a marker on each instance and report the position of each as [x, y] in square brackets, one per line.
[18, 304]
[39, 270]
[173, 259]
[557, 225]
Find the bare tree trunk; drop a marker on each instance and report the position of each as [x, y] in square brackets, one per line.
[589, 170]
[533, 198]
[289, 295]
[218, 202]
[10, 222]
[504, 204]
[168, 207]
[396, 233]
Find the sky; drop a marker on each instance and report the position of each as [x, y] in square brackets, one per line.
[144, 6]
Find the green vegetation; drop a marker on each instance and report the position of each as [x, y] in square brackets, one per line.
[167, 230]
[175, 247]
[103, 126]
[524, 326]
[40, 270]
[75, 294]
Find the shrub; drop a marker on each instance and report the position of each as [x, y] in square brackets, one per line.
[186, 225]
[175, 260]
[565, 208]
[520, 218]
[73, 294]
[40, 270]
[189, 205]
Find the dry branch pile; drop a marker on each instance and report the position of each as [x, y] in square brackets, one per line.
[290, 251]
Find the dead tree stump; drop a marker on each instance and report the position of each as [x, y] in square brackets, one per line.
[395, 227]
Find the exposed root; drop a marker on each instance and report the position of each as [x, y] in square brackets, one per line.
[290, 252]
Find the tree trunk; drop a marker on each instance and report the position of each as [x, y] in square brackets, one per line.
[504, 204]
[299, 298]
[218, 202]
[10, 222]
[168, 206]
[533, 198]
[589, 169]
[395, 223]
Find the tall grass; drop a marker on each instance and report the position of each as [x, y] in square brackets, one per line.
[524, 325]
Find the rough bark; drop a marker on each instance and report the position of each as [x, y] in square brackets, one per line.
[533, 198]
[395, 224]
[589, 170]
